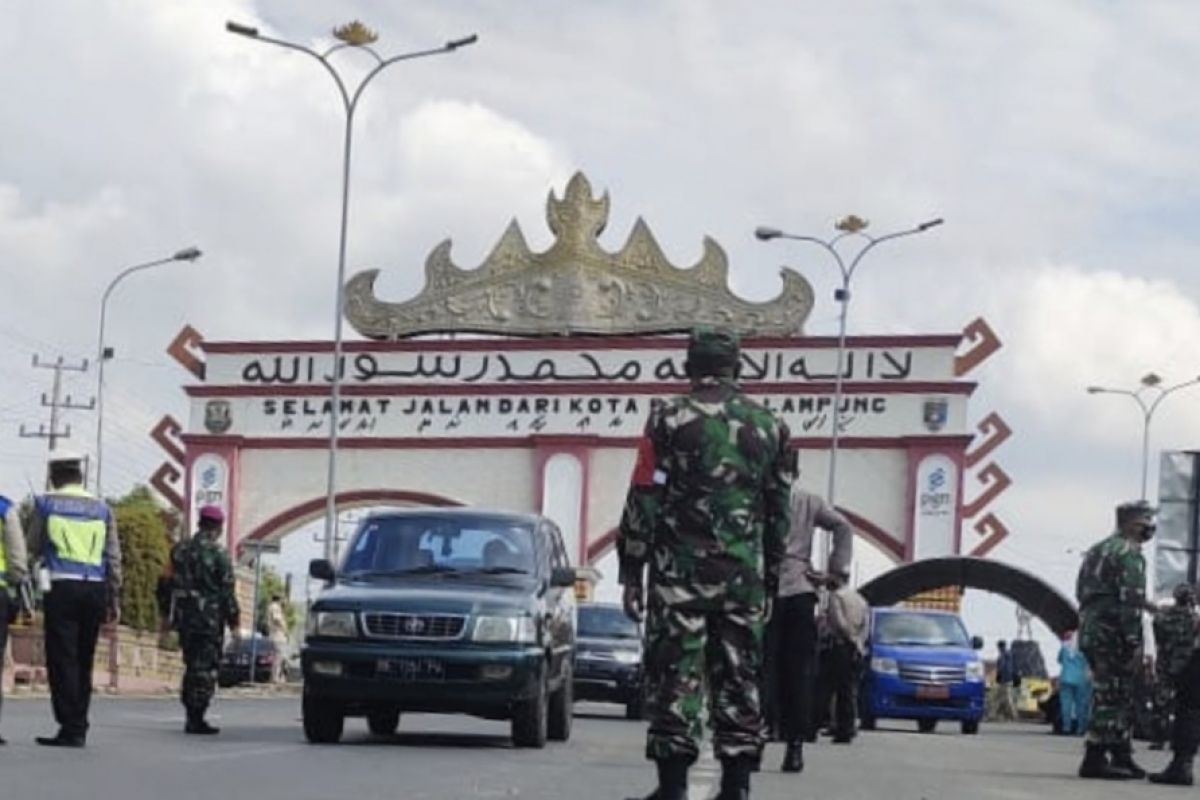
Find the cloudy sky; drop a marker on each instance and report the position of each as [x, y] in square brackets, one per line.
[1058, 140]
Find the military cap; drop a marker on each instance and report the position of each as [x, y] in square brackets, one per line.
[1135, 509]
[1185, 593]
[713, 347]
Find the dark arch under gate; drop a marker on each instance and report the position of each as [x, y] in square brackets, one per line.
[1029, 591]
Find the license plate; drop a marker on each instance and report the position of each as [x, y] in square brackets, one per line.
[411, 669]
[933, 692]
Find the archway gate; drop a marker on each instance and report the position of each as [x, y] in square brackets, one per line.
[543, 409]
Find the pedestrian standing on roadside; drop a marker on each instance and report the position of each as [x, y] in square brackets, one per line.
[14, 567]
[203, 602]
[1174, 637]
[707, 511]
[1111, 591]
[1006, 671]
[791, 662]
[1072, 687]
[75, 535]
[277, 629]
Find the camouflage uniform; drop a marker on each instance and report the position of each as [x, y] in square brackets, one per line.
[1174, 638]
[1111, 591]
[708, 510]
[200, 590]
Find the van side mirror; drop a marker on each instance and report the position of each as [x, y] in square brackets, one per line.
[320, 569]
[977, 642]
[563, 576]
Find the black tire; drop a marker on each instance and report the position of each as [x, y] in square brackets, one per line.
[635, 709]
[562, 708]
[323, 721]
[927, 725]
[383, 721]
[531, 719]
[970, 727]
[867, 724]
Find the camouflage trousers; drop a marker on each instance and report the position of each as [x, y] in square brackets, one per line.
[1112, 696]
[1163, 703]
[201, 660]
[698, 653]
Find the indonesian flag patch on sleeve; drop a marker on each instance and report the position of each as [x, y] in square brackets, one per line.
[644, 471]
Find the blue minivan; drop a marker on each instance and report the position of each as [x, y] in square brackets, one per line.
[923, 666]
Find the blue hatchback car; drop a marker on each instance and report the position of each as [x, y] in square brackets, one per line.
[922, 666]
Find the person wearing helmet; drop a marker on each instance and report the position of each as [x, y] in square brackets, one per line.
[199, 586]
[1175, 635]
[75, 535]
[1174, 632]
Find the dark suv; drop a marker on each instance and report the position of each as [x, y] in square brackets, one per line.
[608, 657]
[444, 611]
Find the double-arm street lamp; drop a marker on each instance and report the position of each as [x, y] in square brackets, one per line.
[850, 227]
[103, 353]
[358, 37]
[1149, 396]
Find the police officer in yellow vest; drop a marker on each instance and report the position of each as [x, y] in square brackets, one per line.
[75, 535]
[13, 569]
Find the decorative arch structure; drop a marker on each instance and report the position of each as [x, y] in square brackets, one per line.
[1024, 588]
[288, 520]
[542, 407]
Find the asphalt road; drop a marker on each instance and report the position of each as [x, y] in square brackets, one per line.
[137, 750]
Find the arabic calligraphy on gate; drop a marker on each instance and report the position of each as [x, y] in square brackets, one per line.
[600, 366]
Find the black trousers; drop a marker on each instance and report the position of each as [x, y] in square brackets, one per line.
[75, 610]
[5, 605]
[838, 687]
[1185, 735]
[791, 666]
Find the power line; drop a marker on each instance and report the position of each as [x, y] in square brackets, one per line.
[56, 402]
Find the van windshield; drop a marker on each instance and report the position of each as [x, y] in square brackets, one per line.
[434, 545]
[919, 629]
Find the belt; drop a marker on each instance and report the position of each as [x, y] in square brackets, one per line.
[67, 576]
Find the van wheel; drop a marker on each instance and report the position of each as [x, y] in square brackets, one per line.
[383, 722]
[970, 727]
[323, 720]
[530, 722]
[927, 725]
[562, 708]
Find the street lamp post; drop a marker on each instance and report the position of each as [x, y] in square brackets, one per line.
[187, 254]
[357, 36]
[1150, 388]
[851, 226]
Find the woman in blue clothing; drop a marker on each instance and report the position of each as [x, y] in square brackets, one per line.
[1074, 687]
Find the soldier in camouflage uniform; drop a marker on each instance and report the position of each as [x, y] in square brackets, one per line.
[199, 588]
[1111, 590]
[708, 510]
[1174, 633]
[1177, 653]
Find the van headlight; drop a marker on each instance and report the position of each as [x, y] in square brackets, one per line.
[338, 624]
[519, 630]
[627, 656]
[974, 671]
[885, 666]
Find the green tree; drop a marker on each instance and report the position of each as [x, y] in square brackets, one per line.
[145, 547]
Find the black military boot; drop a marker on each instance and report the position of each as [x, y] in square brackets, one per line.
[1122, 759]
[793, 757]
[1177, 773]
[1095, 765]
[672, 780]
[198, 725]
[735, 778]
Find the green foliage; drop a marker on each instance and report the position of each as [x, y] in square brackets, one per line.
[145, 547]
